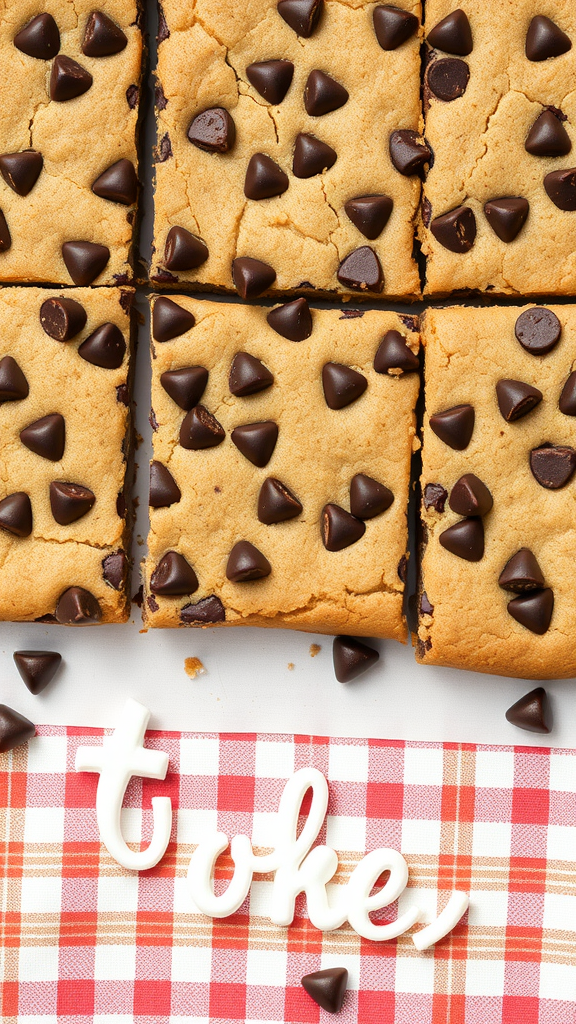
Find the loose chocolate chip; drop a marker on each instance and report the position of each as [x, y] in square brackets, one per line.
[183, 250]
[118, 183]
[408, 152]
[105, 347]
[507, 216]
[342, 385]
[21, 170]
[46, 436]
[311, 156]
[567, 402]
[13, 383]
[470, 496]
[208, 610]
[339, 529]
[293, 320]
[448, 78]
[538, 330]
[548, 136]
[173, 576]
[200, 429]
[301, 15]
[164, 149]
[164, 490]
[393, 355]
[271, 78]
[185, 386]
[246, 562]
[368, 497]
[531, 712]
[169, 320]
[40, 38]
[370, 214]
[276, 503]
[351, 659]
[561, 188]
[361, 270]
[545, 39]
[465, 539]
[455, 230]
[114, 568]
[552, 465]
[77, 607]
[16, 514]
[37, 668]
[256, 441]
[393, 26]
[435, 497]
[516, 399]
[533, 610]
[102, 36]
[5, 236]
[62, 318]
[213, 130]
[132, 93]
[454, 426]
[248, 375]
[68, 79]
[328, 987]
[322, 94]
[521, 573]
[453, 34]
[251, 277]
[70, 502]
[14, 729]
[84, 260]
[264, 178]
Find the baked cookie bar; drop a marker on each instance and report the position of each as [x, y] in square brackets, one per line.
[289, 155]
[64, 450]
[500, 107]
[279, 486]
[69, 84]
[499, 458]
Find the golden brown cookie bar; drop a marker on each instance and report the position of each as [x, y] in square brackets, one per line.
[64, 448]
[500, 109]
[277, 132]
[68, 110]
[499, 457]
[282, 449]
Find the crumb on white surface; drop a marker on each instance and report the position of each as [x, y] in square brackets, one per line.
[290, 665]
[314, 650]
[193, 667]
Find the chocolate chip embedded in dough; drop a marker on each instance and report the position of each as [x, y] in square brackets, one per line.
[276, 503]
[118, 183]
[369, 214]
[205, 612]
[164, 490]
[548, 136]
[271, 78]
[14, 729]
[465, 539]
[521, 573]
[68, 79]
[455, 230]
[246, 563]
[533, 610]
[328, 987]
[361, 270]
[251, 277]
[169, 320]
[408, 152]
[264, 178]
[114, 568]
[322, 94]
[70, 502]
[516, 399]
[256, 441]
[393, 26]
[213, 130]
[183, 250]
[311, 156]
[248, 375]
[545, 39]
[552, 465]
[342, 385]
[448, 78]
[37, 668]
[561, 188]
[77, 607]
[46, 436]
[186, 385]
[454, 426]
[368, 497]
[538, 330]
[62, 318]
[531, 712]
[435, 497]
[200, 430]
[507, 216]
[393, 355]
[13, 383]
[293, 320]
[105, 347]
[470, 496]
[84, 260]
[301, 15]
[567, 402]
[102, 36]
[16, 514]
[173, 576]
[452, 35]
[339, 529]
[21, 170]
[40, 38]
[5, 236]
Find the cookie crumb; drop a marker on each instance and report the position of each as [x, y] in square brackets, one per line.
[193, 667]
[290, 665]
[314, 650]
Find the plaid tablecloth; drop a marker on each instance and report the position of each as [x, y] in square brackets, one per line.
[86, 941]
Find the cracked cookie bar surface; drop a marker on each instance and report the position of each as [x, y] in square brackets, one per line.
[274, 139]
[279, 485]
[499, 457]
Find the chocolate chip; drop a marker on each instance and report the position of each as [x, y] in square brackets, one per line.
[516, 399]
[114, 568]
[393, 355]
[465, 539]
[361, 270]
[164, 490]
[14, 729]
[370, 214]
[322, 94]
[246, 562]
[160, 101]
[567, 402]
[213, 130]
[200, 429]
[152, 420]
[264, 178]
[132, 93]
[507, 216]
[368, 497]
[538, 330]
[339, 529]
[37, 668]
[470, 496]
[183, 250]
[276, 503]
[435, 497]
[185, 386]
[70, 502]
[561, 188]
[163, 30]
[173, 576]
[40, 38]
[248, 375]
[454, 426]
[46, 436]
[21, 170]
[68, 79]
[403, 569]
[552, 465]
[164, 151]
[548, 136]
[152, 603]
[62, 318]
[452, 35]
[256, 441]
[271, 78]
[351, 659]
[105, 347]
[301, 15]
[84, 260]
[13, 383]
[251, 277]
[393, 26]
[455, 230]
[102, 36]
[328, 987]
[426, 212]
[545, 39]
[208, 610]
[77, 607]
[16, 514]
[342, 385]
[293, 320]
[448, 78]
[408, 152]
[521, 573]
[311, 156]
[531, 712]
[169, 320]
[425, 607]
[351, 314]
[118, 183]
[533, 610]
[121, 505]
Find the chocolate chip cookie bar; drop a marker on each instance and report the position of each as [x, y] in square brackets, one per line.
[499, 459]
[69, 99]
[289, 154]
[64, 452]
[500, 107]
[279, 486]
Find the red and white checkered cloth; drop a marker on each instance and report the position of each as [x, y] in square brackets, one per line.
[86, 941]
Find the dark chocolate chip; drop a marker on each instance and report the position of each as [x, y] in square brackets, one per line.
[425, 607]
[561, 188]
[160, 100]
[62, 318]
[552, 465]
[538, 330]
[507, 216]
[516, 399]
[521, 573]
[37, 668]
[105, 347]
[102, 36]
[84, 260]
[118, 183]
[208, 610]
[370, 214]
[339, 529]
[13, 383]
[21, 170]
[163, 30]
[152, 603]
[16, 514]
[531, 712]
[452, 35]
[77, 607]
[121, 505]
[393, 26]
[548, 136]
[246, 562]
[173, 576]
[70, 502]
[301, 15]
[533, 610]
[293, 320]
[132, 94]
[454, 426]
[545, 39]
[408, 152]
[164, 151]
[183, 250]
[328, 988]
[361, 270]
[455, 230]
[152, 420]
[342, 385]
[186, 385]
[351, 659]
[68, 79]
[465, 539]
[40, 38]
[351, 314]
[276, 503]
[46, 436]
[271, 78]
[169, 320]
[448, 78]
[5, 236]
[322, 94]
[368, 497]
[248, 375]
[311, 156]
[393, 355]
[114, 568]
[403, 569]
[213, 130]
[256, 441]
[435, 497]
[164, 490]
[264, 178]
[470, 496]
[426, 212]
[251, 277]
[14, 729]
[200, 429]
[567, 402]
